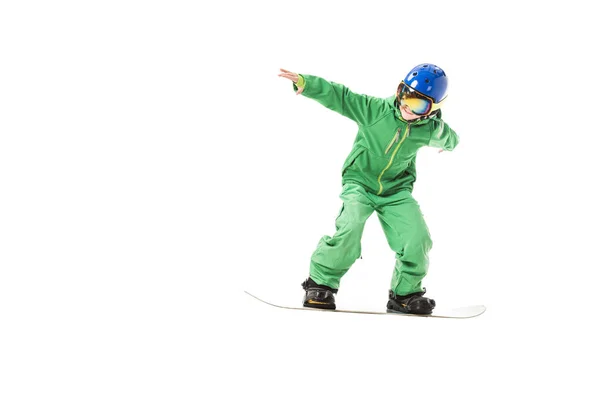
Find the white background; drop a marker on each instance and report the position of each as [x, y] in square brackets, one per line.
[153, 166]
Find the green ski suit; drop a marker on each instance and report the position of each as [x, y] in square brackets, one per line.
[378, 175]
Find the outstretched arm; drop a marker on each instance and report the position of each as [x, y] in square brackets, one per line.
[360, 108]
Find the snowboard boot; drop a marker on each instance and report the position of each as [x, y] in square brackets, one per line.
[413, 303]
[318, 296]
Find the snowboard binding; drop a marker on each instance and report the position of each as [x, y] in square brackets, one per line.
[318, 296]
[413, 303]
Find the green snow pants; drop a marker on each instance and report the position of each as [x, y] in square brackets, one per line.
[404, 227]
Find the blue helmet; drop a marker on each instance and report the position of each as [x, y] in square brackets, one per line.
[428, 79]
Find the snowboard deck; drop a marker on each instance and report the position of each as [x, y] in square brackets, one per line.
[460, 312]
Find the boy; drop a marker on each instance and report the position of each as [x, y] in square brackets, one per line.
[378, 175]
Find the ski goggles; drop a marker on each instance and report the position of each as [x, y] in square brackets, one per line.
[418, 103]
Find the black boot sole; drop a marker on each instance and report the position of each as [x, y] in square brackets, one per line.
[322, 306]
[408, 312]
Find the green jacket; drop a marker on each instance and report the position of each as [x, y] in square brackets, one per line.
[382, 159]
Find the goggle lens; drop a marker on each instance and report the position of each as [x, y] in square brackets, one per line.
[417, 103]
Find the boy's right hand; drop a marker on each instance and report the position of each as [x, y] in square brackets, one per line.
[292, 76]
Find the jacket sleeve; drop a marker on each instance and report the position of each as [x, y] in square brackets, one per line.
[360, 108]
[443, 137]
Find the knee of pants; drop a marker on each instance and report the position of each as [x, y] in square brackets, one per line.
[351, 234]
[347, 238]
[417, 246]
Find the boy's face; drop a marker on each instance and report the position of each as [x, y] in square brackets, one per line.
[407, 114]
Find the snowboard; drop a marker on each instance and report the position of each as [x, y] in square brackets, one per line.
[460, 312]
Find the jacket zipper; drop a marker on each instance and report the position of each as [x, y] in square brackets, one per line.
[394, 139]
[406, 131]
